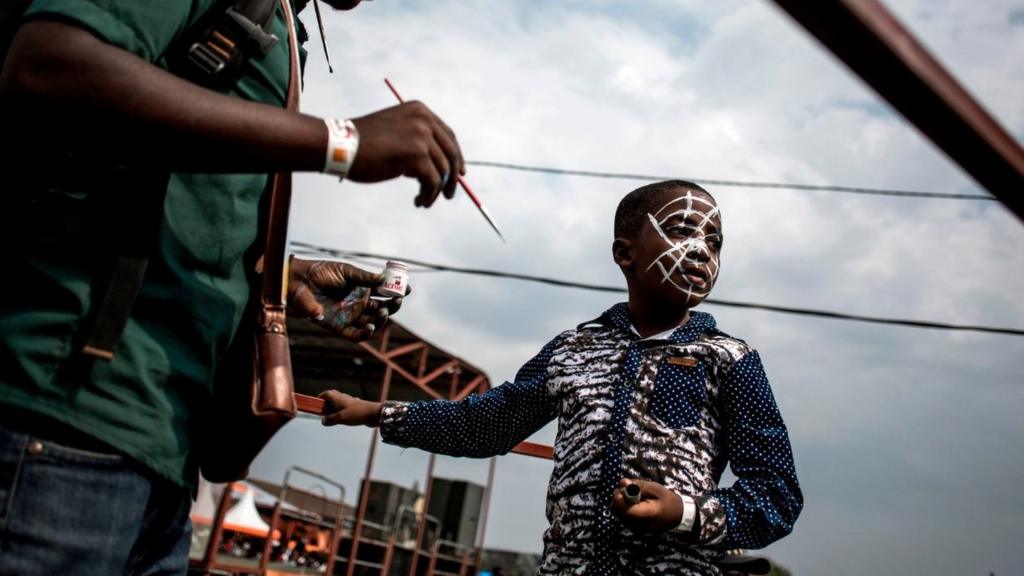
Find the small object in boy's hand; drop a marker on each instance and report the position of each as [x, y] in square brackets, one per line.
[631, 493]
[396, 279]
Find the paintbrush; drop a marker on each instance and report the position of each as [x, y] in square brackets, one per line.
[462, 181]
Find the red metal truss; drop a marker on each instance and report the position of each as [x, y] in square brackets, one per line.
[875, 45]
[395, 365]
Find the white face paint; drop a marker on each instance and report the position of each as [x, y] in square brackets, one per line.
[689, 262]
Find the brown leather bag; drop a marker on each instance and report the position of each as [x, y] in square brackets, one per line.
[253, 393]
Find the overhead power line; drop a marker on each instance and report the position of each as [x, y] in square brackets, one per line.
[736, 183]
[711, 301]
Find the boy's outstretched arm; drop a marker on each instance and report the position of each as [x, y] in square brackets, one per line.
[478, 426]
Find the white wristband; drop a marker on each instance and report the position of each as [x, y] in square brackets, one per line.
[342, 145]
[689, 514]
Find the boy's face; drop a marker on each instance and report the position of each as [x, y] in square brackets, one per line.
[676, 252]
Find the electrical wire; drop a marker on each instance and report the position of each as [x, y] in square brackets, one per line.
[736, 183]
[313, 248]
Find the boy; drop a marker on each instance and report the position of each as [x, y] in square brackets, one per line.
[649, 393]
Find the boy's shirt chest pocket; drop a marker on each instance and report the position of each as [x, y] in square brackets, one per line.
[679, 393]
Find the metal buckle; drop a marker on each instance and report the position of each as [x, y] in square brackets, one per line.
[208, 61]
[265, 40]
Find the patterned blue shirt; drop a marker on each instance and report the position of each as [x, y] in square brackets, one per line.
[672, 410]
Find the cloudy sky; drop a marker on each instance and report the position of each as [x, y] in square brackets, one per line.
[907, 441]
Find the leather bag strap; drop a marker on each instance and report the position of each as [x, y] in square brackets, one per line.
[275, 268]
[272, 392]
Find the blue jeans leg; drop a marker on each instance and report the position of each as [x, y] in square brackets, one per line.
[64, 510]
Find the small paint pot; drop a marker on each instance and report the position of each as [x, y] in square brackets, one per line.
[396, 279]
[631, 493]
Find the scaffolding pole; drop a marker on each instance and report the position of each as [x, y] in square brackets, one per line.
[875, 45]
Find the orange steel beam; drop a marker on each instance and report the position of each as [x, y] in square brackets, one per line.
[389, 553]
[453, 386]
[402, 350]
[422, 526]
[402, 371]
[364, 493]
[423, 361]
[439, 371]
[268, 542]
[364, 499]
[875, 45]
[432, 565]
[217, 531]
[473, 385]
[536, 450]
[485, 515]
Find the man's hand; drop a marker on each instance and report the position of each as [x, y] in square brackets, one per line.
[337, 296]
[341, 408]
[408, 140]
[659, 509]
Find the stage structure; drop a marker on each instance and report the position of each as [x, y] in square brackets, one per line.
[396, 364]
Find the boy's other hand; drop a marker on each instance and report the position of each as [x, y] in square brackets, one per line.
[658, 510]
[340, 408]
[408, 140]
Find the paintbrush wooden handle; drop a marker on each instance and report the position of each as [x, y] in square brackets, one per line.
[461, 180]
[309, 404]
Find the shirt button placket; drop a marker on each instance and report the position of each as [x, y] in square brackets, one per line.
[612, 464]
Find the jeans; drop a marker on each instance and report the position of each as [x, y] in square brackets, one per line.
[71, 511]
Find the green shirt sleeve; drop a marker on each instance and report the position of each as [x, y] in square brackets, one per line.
[145, 28]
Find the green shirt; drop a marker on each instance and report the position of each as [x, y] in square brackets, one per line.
[145, 401]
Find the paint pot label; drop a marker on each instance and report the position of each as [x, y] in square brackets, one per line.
[396, 279]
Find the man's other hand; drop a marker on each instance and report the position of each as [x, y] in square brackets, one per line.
[337, 296]
[408, 140]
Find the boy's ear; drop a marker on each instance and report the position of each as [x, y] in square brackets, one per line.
[622, 252]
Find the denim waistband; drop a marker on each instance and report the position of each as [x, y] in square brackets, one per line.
[46, 428]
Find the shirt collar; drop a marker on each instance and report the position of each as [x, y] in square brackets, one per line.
[699, 323]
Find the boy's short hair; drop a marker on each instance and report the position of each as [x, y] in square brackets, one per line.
[634, 207]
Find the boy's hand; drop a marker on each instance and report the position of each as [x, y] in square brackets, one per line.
[658, 510]
[340, 408]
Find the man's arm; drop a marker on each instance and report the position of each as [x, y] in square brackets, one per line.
[62, 83]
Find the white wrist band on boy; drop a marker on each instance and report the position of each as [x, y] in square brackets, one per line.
[342, 145]
[689, 514]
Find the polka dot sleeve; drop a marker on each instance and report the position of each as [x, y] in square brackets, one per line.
[481, 425]
[764, 502]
